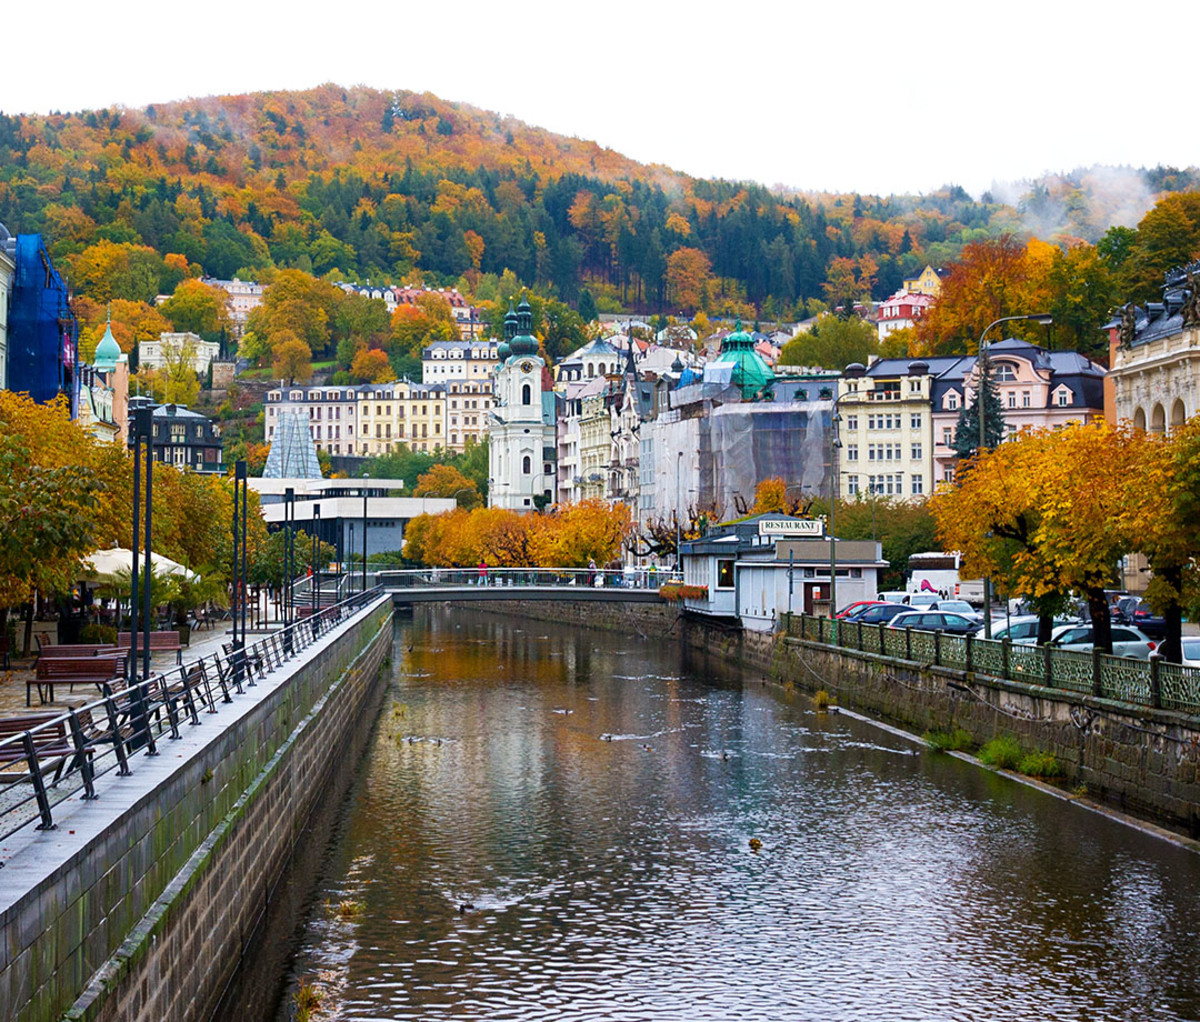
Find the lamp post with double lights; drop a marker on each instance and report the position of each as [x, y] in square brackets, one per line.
[316, 527]
[853, 371]
[982, 369]
[367, 479]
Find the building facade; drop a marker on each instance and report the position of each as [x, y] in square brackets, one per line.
[331, 413]
[7, 269]
[200, 353]
[1154, 352]
[521, 427]
[183, 438]
[42, 332]
[244, 297]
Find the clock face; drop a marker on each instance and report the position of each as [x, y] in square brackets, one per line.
[527, 366]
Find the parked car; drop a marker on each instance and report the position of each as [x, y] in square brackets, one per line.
[1126, 641]
[1145, 620]
[921, 599]
[892, 596]
[958, 607]
[1022, 630]
[934, 621]
[881, 613]
[1191, 652]
[852, 612]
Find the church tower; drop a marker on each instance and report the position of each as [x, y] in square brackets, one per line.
[521, 442]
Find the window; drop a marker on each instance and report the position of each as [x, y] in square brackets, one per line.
[914, 422]
[852, 452]
[870, 452]
[1024, 399]
[914, 386]
[1005, 372]
[526, 394]
[526, 465]
[1012, 400]
[725, 574]
[948, 475]
[852, 422]
[947, 435]
[918, 484]
[952, 401]
[851, 485]
[1064, 398]
[916, 452]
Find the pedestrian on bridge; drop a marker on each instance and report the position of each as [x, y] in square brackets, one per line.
[591, 571]
[483, 572]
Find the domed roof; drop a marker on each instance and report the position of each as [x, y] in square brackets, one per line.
[524, 343]
[107, 351]
[750, 372]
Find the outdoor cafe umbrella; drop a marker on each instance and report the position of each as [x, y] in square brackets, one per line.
[106, 563]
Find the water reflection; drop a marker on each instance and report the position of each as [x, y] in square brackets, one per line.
[556, 825]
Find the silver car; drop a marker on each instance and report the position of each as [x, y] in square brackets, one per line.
[1126, 641]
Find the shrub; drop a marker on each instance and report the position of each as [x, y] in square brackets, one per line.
[1003, 752]
[822, 699]
[98, 635]
[308, 1000]
[673, 593]
[1040, 764]
[957, 740]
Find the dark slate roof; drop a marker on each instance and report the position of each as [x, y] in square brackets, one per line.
[1165, 318]
[887, 367]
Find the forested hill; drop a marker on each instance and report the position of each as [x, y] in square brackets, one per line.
[360, 183]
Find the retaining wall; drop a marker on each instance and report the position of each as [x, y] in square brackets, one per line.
[1143, 761]
[645, 619]
[151, 919]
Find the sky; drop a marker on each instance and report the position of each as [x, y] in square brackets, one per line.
[871, 97]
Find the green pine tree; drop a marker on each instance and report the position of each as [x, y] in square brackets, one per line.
[966, 435]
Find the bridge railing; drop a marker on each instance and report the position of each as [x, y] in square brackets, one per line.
[50, 757]
[565, 578]
[1154, 683]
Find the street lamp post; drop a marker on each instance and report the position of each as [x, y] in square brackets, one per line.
[289, 498]
[313, 578]
[367, 477]
[981, 367]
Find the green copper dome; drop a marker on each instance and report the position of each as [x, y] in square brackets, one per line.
[107, 351]
[524, 343]
[504, 348]
[751, 372]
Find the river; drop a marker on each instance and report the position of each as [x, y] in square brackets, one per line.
[557, 824]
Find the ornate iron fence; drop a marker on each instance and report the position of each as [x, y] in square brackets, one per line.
[1155, 683]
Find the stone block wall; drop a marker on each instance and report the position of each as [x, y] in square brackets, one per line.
[151, 920]
[1143, 761]
[649, 620]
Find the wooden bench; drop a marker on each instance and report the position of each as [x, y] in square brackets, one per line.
[51, 742]
[75, 650]
[94, 670]
[159, 642]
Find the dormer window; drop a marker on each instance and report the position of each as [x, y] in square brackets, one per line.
[1063, 397]
[1005, 372]
[952, 401]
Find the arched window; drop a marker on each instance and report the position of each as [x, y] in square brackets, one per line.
[526, 465]
[1006, 372]
[526, 394]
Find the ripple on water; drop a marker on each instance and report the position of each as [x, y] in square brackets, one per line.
[611, 883]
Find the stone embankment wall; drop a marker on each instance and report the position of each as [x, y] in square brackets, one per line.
[648, 620]
[153, 920]
[1143, 761]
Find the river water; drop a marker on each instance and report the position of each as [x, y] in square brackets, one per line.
[556, 824]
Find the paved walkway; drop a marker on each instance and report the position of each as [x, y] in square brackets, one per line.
[12, 683]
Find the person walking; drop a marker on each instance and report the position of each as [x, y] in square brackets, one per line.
[483, 572]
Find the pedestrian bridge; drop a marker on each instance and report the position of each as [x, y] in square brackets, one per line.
[431, 585]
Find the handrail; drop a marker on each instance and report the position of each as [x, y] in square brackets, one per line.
[64, 754]
[645, 579]
[1156, 684]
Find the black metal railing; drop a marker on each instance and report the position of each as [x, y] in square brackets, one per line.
[1154, 683]
[50, 757]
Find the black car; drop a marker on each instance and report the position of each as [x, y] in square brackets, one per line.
[881, 613]
[935, 621]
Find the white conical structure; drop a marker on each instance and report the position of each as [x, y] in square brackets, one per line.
[293, 454]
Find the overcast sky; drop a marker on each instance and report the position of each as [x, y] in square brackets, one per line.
[867, 96]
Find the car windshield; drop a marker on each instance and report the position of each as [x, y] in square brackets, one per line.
[955, 606]
[1191, 650]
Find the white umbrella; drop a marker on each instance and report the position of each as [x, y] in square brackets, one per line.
[109, 562]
